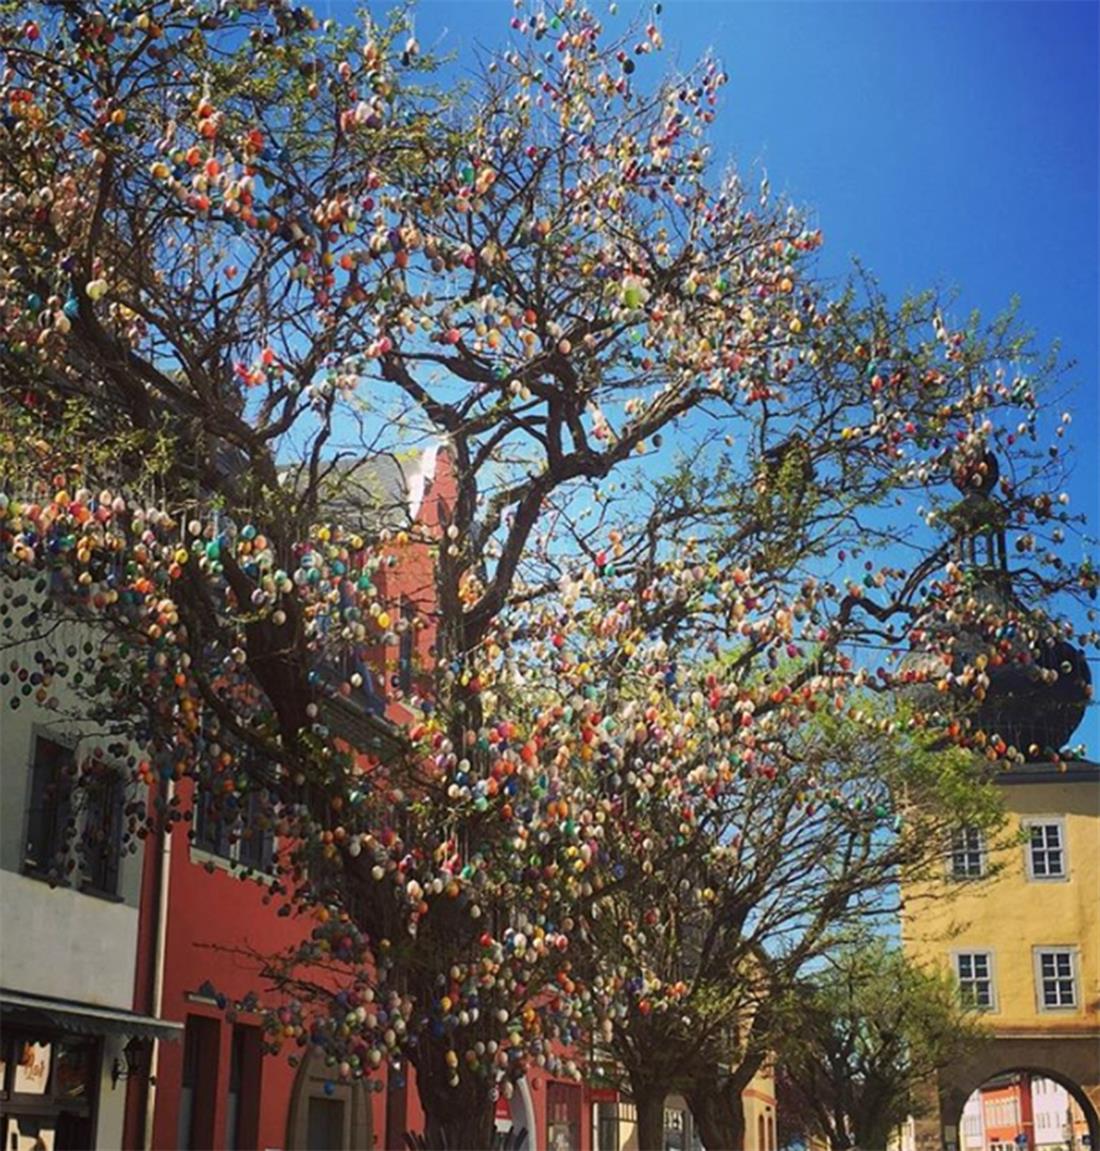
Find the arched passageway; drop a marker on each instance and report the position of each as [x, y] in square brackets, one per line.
[1073, 1064]
[1024, 1109]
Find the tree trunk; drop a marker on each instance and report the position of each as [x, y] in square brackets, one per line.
[649, 1104]
[460, 1129]
[872, 1133]
[719, 1116]
[456, 1118]
[715, 1101]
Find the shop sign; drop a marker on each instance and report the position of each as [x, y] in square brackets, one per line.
[32, 1073]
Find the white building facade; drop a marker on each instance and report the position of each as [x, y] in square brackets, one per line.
[70, 887]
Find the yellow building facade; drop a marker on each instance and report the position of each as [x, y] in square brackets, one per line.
[1018, 925]
[758, 1102]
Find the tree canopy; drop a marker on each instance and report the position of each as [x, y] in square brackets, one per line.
[868, 1033]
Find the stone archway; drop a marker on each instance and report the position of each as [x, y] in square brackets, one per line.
[1074, 1063]
[324, 1113]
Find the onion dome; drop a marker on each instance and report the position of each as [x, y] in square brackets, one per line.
[1008, 667]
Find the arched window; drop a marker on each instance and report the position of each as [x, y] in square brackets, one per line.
[761, 1134]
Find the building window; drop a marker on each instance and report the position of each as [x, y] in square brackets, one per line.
[1056, 978]
[256, 840]
[48, 820]
[607, 1127]
[209, 825]
[974, 970]
[675, 1130]
[563, 1116]
[101, 831]
[967, 853]
[243, 1099]
[236, 827]
[233, 1096]
[70, 816]
[198, 1083]
[1046, 850]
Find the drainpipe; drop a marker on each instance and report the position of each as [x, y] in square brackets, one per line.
[159, 950]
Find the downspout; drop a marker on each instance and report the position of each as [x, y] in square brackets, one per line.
[159, 951]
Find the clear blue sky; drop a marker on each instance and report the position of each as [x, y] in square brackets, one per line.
[948, 144]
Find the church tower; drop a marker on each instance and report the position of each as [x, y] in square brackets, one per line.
[1023, 683]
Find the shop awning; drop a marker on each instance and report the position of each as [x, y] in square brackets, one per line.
[26, 1009]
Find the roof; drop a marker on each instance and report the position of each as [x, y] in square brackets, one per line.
[365, 495]
[28, 1009]
[356, 721]
[373, 493]
[1068, 771]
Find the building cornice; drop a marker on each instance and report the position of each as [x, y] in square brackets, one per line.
[1079, 771]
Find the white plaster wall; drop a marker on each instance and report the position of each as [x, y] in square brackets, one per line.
[66, 944]
[110, 1110]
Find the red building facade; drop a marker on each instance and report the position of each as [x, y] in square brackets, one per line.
[1007, 1114]
[203, 931]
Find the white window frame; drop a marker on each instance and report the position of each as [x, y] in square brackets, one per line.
[1046, 821]
[954, 853]
[1040, 999]
[992, 968]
